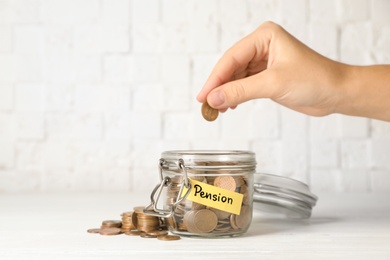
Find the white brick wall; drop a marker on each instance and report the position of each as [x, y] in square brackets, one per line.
[91, 92]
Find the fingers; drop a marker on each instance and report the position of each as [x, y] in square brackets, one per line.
[235, 62]
[236, 92]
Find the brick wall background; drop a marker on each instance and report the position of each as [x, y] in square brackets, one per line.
[92, 91]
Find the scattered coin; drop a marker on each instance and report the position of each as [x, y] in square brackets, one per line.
[132, 233]
[146, 235]
[111, 223]
[110, 231]
[158, 232]
[94, 230]
[209, 113]
[168, 237]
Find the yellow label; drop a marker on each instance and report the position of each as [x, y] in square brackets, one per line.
[215, 197]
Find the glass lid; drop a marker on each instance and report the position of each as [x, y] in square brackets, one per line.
[283, 196]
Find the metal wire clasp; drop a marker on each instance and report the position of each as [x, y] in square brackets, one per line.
[152, 209]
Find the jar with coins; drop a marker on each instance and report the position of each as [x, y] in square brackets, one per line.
[213, 193]
[205, 193]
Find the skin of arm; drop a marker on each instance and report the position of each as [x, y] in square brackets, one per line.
[271, 63]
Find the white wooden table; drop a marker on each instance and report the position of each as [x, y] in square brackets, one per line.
[53, 226]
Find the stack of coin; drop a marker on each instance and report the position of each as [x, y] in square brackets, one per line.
[110, 231]
[135, 223]
[108, 228]
[127, 222]
[145, 223]
[111, 224]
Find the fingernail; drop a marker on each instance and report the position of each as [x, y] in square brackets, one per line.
[197, 97]
[216, 98]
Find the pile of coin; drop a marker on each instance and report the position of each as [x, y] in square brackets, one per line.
[191, 218]
[146, 223]
[127, 221]
[135, 223]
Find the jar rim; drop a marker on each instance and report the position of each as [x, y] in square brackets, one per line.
[195, 158]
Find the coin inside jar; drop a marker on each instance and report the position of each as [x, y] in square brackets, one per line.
[244, 218]
[209, 113]
[218, 173]
[225, 182]
[201, 221]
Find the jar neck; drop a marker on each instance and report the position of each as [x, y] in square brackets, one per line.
[209, 160]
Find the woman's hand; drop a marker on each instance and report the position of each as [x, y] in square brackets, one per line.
[271, 63]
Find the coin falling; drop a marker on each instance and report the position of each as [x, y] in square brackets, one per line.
[209, 113]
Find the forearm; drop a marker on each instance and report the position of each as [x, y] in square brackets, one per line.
[366, 92]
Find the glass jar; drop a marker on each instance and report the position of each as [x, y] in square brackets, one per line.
[205, 193]
[213, 193]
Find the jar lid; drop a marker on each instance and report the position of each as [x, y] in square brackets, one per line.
[283, 196]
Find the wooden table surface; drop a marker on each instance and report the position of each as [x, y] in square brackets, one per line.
[53, 226]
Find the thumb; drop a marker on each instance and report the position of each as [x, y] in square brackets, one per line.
[236, 92]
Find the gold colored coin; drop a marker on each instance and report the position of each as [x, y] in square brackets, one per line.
[139, 209]
[146, 235]
[196, 206]
[239, 181]
[168, 237]
[188, 222]
[244, 218]
[110, 231]
[94, 230]
[111, 223]
[245, 192]
[205, 220]
[220, 213]
[171, 222]
[225, 182]
[209, 113]
[132, 233]
[158, 232]
[233, 221]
